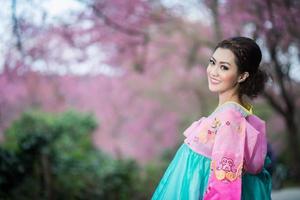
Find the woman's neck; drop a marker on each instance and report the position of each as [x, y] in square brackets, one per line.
[234, 98]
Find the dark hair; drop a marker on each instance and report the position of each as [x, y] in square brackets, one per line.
[247, 58]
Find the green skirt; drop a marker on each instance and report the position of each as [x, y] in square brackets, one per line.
[187, 177]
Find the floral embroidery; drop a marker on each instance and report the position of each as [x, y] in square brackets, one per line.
[216, 123]
[205, 136]
[239, 129]
[225, 171]
[202, 137]
[236, 126]
[208, 134]
[226, 164]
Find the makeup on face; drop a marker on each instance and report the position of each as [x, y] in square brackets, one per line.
[222, 71]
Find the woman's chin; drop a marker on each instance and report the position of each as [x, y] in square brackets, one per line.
[213, 89]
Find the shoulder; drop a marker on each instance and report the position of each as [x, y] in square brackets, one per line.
[235, 113]
[229, 110]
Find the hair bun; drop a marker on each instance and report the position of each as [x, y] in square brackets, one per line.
[247, 58]
[254, 85]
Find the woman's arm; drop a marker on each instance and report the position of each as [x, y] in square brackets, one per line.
[255, 145]
[240, 144]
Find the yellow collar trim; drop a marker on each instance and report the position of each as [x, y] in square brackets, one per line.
[248, 109]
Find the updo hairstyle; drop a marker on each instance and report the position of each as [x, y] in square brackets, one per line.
[247, 58]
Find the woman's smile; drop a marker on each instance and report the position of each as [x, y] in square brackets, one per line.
[214, 81]
[222, 71]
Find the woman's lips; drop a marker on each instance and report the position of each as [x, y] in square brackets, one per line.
[214, 81]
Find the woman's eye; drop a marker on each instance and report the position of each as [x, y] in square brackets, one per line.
[211, 61]
[224, 67]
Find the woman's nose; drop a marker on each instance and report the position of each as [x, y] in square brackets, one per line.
[214, 71]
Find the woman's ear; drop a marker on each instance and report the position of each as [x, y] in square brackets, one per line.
[243, 77]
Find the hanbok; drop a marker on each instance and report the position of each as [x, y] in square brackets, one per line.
[223, 157]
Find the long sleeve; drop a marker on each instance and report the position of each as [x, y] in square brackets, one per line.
[256, 145]
[192, 127]
[227, 157]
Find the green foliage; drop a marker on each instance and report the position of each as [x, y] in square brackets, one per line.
[51, 156]
[263, 110]
[152, 173]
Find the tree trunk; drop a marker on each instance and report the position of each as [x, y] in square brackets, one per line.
[293, 145]
[47, 176]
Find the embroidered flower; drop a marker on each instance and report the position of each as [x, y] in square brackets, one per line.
[239, 129]
[216, 123]
[226, 164]
[225, 171]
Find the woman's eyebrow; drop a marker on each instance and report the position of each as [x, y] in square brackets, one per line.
[221, 62]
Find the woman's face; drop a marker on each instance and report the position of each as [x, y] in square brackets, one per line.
[222, 72]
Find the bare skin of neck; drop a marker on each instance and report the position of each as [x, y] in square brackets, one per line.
[230, 95]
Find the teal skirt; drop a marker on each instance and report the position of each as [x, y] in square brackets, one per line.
[187, 177]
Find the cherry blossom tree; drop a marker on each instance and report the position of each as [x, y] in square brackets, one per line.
[141, 108]
[273, 24]
[156, 58]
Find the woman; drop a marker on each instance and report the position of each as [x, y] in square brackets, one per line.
[224, 155]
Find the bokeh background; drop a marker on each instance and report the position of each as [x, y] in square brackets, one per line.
[95, 94]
